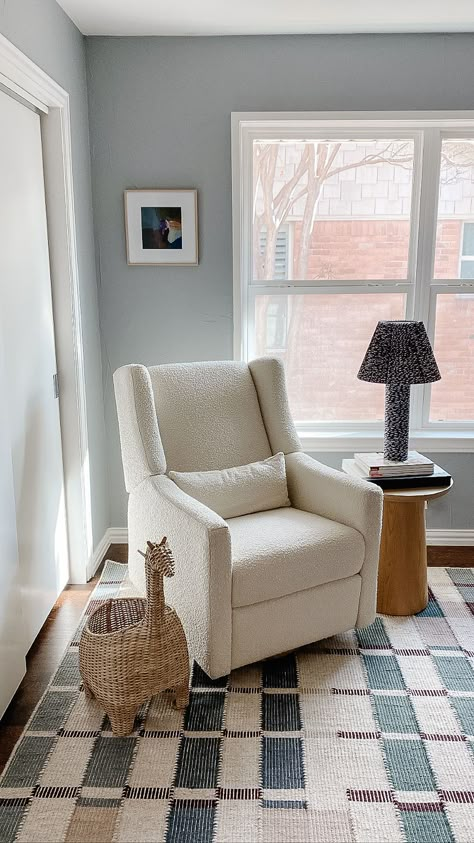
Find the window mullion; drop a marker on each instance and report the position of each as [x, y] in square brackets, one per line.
[428, 216]
[426, 243]
[425, 419]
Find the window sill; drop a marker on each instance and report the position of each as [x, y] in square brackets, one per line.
[433, 441]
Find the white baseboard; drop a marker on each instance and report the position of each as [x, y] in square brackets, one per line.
[439, 538]
[450, 538]
[98, 555]
[113, 535]
[117, 535]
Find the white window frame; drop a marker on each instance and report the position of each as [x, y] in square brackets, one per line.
[428, 129]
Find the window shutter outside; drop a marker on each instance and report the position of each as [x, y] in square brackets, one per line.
[281, 252]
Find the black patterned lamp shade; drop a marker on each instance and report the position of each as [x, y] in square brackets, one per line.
[398, 355]
[399, 352]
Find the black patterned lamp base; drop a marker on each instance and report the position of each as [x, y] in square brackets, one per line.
[397, 422]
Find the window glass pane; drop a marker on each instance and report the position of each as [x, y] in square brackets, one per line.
[346, 204]
[276, 325]
[455, 230]
[324, 339]
[468, 239]
[452, 398]
[467, 269]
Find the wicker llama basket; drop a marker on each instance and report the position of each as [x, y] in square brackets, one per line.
[132, 648]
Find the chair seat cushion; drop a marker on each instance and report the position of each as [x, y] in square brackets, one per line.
[287, 550]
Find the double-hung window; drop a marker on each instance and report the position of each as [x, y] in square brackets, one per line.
[339, 223]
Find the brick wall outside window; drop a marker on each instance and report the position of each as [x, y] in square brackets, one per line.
[328, 335]
[373, 249]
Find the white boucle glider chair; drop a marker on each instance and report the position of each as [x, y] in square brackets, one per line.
[255, 585]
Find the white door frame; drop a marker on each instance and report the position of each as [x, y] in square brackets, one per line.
[26, 81]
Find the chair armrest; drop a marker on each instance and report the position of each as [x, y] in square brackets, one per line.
[325, 491]
[200, 590]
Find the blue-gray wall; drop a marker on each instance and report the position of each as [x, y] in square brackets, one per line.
[160, 117]
[41, 30]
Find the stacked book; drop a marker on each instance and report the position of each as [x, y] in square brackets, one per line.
[416, 470]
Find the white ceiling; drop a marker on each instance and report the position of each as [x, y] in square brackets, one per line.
[268, 17]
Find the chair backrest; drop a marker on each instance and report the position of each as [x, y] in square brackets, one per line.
[201, 416]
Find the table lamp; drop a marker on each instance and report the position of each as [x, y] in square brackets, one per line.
[398, 355]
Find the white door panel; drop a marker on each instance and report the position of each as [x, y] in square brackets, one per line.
[12, 643]
[26, 321]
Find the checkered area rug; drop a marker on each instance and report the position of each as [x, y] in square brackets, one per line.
[366, 736]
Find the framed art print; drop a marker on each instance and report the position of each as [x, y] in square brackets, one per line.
[161, 227]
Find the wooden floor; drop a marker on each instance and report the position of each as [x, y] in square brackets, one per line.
[46, 652]
[450, 557]
[41, 662]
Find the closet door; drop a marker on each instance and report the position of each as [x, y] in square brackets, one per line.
[12, 641]
[26, 323]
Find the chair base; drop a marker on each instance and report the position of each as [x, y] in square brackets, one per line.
[265, 629]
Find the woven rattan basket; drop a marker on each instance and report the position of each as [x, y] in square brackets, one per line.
[132, 648]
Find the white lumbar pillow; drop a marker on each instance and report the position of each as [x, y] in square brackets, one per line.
[238, 491]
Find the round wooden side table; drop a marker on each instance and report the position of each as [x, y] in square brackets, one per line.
[403, 584]
[403, 576]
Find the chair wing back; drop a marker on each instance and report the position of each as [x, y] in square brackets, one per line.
[201, 416]
[142, 449]
[208, 415]
[268, 376]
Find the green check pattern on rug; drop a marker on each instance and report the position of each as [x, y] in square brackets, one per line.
[366, 736]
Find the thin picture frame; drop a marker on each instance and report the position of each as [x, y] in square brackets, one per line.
[161, 226]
